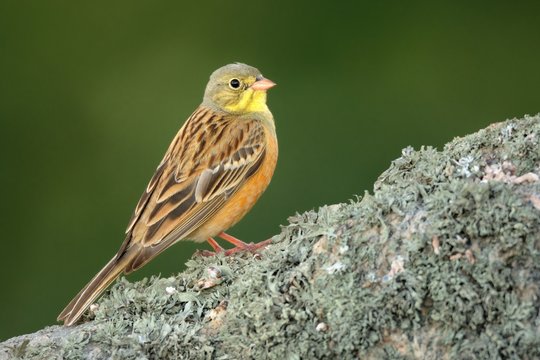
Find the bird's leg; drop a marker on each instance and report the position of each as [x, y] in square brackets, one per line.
[240, 245]
[214, 244]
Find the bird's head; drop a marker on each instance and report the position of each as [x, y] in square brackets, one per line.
[237, 89]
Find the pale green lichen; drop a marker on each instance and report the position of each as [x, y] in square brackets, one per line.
[441, 261]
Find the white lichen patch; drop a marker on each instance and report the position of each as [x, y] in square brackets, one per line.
[170, 290]
[343, 249]
[506, 132]
[465, 167]
[336, 267]
[214, 272]
[93, 308]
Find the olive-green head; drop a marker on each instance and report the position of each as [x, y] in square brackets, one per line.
[237, 89]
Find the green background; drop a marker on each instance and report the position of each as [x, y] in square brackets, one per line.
[91, 95]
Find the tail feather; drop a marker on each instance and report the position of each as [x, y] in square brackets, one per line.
[93, 289]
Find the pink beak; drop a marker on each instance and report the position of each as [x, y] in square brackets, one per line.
[263, 84]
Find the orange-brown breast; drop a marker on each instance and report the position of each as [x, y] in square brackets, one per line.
[243, 200]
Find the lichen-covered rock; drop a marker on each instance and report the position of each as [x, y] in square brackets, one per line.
[441, 261]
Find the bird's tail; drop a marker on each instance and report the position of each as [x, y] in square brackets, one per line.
[93, 289]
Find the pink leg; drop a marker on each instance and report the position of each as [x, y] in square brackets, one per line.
[214, 244]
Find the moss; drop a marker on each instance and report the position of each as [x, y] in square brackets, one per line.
[441, 261]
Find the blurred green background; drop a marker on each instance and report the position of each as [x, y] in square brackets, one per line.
[91, 95]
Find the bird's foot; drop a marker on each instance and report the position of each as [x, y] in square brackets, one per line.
[205, 253]
[240, 246]
[251, 247]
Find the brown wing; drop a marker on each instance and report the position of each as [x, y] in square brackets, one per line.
[209, 160]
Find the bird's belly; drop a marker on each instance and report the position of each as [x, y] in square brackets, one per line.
[239, 203]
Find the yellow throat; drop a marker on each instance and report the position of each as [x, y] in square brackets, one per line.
[250, 101]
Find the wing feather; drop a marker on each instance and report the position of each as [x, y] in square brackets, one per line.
[209, 160]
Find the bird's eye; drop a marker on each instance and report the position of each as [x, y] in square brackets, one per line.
[234, 83]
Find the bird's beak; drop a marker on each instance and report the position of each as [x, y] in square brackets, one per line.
[263, 84]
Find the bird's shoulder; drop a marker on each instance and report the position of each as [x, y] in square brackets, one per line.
[209, 138]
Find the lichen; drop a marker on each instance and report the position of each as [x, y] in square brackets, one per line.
[442, 260]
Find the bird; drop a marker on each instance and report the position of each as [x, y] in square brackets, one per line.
[215, 169]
